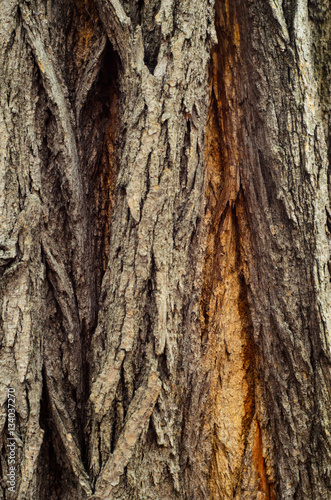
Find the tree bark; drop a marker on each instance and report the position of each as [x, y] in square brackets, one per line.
[165, 249]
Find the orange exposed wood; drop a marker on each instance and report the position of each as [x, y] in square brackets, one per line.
[264, 484]
[238, 468]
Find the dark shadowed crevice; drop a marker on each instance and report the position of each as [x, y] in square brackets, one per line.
[69, 295]
[143, 14]
[100, 140]
[54, 474]
[151, 33]
[99, 144]
[289, 8]
[249, 350]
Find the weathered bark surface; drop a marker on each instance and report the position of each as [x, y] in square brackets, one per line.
[287, 247]
[165, 243]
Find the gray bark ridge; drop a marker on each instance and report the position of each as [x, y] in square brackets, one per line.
[159, 204]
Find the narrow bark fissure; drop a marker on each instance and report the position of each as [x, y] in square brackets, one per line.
[143, 14]
[320, 16]
[100, 140]
[289, 7]
[52, 465]
[249, 351]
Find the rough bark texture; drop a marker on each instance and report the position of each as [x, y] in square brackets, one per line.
[165, 248]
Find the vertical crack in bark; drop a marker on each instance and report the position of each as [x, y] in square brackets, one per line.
[144, 14]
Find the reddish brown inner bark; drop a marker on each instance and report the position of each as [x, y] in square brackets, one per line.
[226, 323]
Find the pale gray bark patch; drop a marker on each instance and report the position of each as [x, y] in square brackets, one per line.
[22, 271]
[148, 285]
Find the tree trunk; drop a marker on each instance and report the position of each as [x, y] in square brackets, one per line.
[165, 248]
